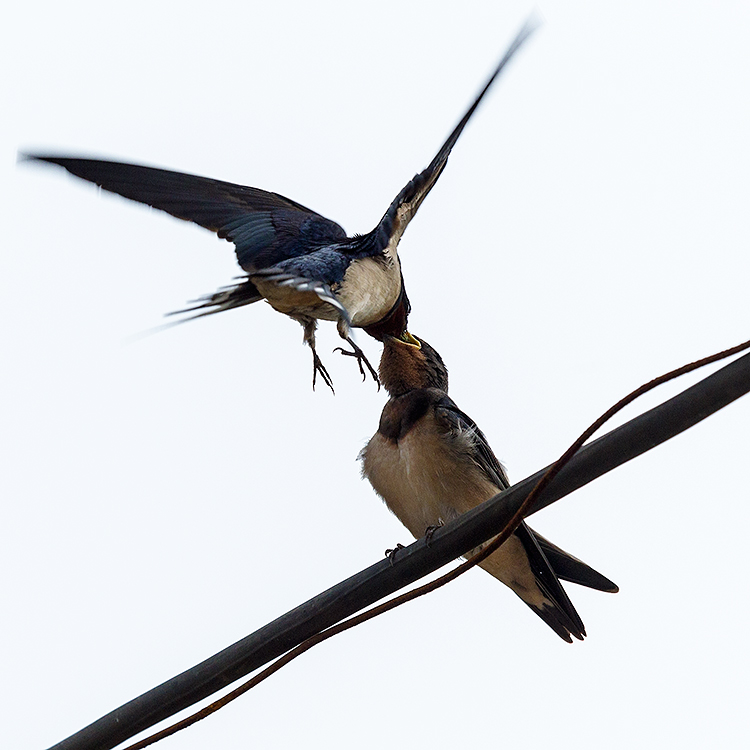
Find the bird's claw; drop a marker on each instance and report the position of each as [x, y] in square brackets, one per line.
[319, 368]
[391, 553]
[430, 531]
[361, 358]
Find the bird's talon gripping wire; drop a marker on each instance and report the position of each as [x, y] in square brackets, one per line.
[391, 553]
[430, 531]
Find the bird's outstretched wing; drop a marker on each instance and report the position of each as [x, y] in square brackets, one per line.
[405, 205]
[266, 228]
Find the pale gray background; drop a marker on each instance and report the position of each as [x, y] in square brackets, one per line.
[165, 496]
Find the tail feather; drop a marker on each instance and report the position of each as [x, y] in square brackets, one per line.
[227, 298]
[532, 567]
[558, 611]
[569, 568]
[522, 566]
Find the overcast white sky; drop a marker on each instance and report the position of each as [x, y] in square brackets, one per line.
[166, 496]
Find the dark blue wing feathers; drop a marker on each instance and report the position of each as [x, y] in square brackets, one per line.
[265, 227]
[482, 455]
[326, 264]
[564, 618]
[407, 202]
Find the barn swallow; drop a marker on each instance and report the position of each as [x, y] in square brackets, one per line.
[430, 463]
[303, 264]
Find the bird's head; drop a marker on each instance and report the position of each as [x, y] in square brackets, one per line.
[408, 363]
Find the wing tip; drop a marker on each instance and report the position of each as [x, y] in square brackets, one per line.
[26, 157]
[22, 157]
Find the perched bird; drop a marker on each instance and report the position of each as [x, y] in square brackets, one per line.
[303, 264]
[430, 463]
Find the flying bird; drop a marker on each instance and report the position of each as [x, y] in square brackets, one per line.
[302, 263]
[430, 463]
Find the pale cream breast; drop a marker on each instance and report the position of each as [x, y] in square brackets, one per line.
[423, 479]
[370, 289]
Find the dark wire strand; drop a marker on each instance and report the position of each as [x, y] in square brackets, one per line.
[523, 510]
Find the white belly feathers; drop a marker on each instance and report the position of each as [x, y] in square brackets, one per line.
[418, 479]
[370, 289]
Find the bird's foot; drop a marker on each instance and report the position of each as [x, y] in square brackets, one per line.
[319, 368]
[430, 531]
[391, 553]
[361, 358]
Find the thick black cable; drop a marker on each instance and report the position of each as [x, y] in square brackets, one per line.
[370, 585]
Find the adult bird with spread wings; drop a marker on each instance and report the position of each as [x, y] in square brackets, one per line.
[303, 264]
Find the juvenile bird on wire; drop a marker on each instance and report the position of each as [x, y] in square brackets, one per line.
[430, 463]
[303, 264]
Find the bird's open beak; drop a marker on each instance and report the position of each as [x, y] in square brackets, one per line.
[407, 338]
